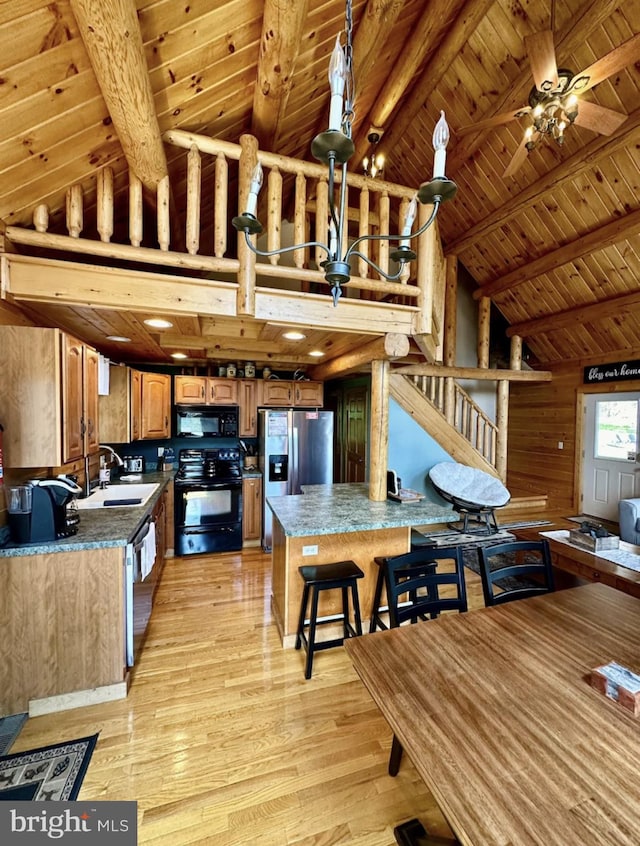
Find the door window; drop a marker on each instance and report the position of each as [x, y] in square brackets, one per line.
[616, 429]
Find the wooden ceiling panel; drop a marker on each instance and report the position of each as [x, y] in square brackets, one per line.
[203, 64]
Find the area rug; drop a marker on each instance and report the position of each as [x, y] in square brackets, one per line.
[51, 773]
[10, 728]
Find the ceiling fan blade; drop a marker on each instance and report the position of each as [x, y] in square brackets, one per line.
[623, 56]
[542, 57]
[598, 119]
[496, 120]
[518, 159]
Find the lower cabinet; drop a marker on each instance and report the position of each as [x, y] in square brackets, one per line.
[251, 511]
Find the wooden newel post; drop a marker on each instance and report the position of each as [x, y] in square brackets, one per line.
[484, 331]
[247, 259]
[379, 430]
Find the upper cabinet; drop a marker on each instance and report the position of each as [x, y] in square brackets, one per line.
[49, 390]
[282, 392]
[205, 390]
[248, 402]
[120, 416]
[155, 392]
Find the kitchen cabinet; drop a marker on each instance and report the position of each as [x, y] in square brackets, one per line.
[287, 393]
[248, 402]
[155, 392]
[251, 511]
[53, 418]
[205, 390]
[120, 417]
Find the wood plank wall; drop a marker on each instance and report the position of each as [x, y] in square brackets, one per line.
[541, 415]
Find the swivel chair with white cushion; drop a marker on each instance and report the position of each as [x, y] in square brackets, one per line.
[473, 493]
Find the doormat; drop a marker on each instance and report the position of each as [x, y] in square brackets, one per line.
[50, 773]
[10, 728]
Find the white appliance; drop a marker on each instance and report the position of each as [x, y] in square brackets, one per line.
[295, 449]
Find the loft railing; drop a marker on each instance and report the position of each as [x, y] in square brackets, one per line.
[217, 181]
[461, 412]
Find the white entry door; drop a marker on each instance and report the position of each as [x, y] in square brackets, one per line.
[610, 469]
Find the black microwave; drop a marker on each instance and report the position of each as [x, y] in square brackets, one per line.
[197, 421]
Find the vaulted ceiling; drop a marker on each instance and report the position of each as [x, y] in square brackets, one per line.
[555, 245]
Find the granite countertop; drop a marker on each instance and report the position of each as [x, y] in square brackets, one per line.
[333, 509]
[99, 527]
[251, 474]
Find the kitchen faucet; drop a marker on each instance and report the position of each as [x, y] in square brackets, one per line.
[114, 455]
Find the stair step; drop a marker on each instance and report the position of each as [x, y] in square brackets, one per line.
[532, 502]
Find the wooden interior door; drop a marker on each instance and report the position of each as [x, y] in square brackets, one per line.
[357, 433]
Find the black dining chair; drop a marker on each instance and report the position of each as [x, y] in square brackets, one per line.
[515, 570]
[420, 585]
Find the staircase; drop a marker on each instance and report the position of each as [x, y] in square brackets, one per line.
[442, 408]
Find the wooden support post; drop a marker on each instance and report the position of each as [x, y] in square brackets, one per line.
[379, 436]
[135, 209]
[194, 189]
[502, 423]
[363, 229]
[516, 352]
[164, 223]
[221, 202]
[74, 211]
[450, 311]
[299, 219]
[104, 200]
[484, 332]
[426, 250]
[41, 217]
[246, 303]
[274, 213]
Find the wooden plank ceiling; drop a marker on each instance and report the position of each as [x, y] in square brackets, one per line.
[556, 245]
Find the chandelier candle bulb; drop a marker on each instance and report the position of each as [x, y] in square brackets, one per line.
[337, 80]
[254, 189]
[440, 141]
[408, 222]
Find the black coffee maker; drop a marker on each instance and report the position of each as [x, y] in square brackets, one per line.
[42, 511]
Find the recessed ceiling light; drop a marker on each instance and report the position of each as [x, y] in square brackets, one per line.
[316, 353]
[121, 339]
[294, 336]
[159, 323]
[179, 355]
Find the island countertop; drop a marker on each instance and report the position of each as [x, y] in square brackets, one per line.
[334, 509]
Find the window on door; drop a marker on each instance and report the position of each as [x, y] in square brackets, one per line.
[616, 429]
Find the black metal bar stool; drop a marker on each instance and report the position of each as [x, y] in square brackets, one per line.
[319, 577]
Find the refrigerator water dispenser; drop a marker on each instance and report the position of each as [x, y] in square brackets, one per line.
[278, 468]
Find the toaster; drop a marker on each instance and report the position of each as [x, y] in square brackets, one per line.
[134, 463]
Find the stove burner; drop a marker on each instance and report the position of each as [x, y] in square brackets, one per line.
[221, 465]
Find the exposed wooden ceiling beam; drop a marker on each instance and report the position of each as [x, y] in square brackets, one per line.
[389, 347]
[111, 35]
[467, 21]
[402, 74]
[595, 312]
[592, 14]
[584, 160]
[282, 26]
[613, 232]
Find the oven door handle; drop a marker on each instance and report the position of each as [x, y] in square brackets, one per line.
[185, 487]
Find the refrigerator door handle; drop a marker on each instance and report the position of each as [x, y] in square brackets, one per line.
[294, 461]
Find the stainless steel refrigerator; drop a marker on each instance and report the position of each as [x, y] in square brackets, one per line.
[295, 449]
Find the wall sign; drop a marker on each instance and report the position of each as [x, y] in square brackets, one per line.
[617, 371]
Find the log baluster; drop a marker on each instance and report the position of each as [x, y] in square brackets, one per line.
[221, 202]
[104, 200]
[274, 213]
[194, 190]
[135, 209]
[74, 211]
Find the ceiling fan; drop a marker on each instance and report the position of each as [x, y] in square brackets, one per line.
[555, 101]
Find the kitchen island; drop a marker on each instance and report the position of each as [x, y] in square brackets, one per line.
[330, 523]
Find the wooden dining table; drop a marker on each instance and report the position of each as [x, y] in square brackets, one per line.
[495, 710]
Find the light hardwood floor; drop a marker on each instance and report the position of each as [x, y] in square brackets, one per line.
[222, 741]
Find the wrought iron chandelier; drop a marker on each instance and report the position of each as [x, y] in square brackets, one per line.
[334, 148]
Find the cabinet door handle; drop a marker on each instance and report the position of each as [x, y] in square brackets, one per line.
[83, 428]
[202, 392]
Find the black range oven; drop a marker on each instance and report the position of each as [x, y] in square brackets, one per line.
[208, 501]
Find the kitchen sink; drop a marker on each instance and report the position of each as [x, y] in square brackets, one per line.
[131, 496]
